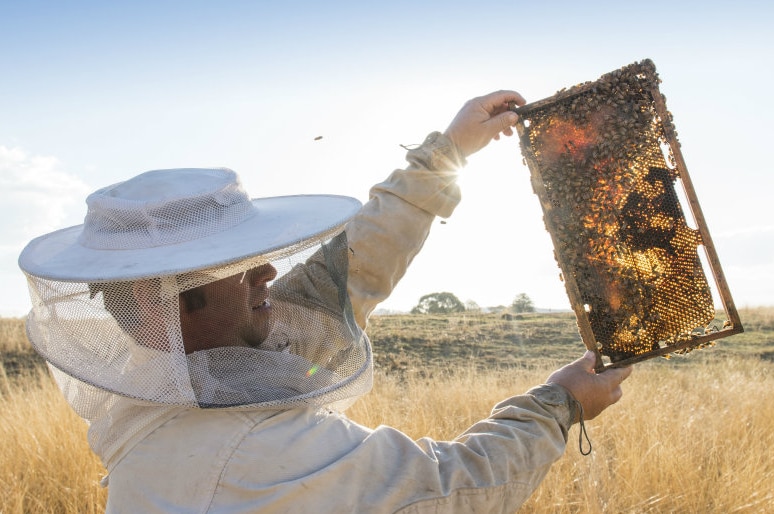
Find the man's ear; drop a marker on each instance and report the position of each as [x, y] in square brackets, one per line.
[153, 314]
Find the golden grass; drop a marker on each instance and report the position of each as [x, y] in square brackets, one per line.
[12, 335]
[46, 465]
[691, 435]
[683, 439]
[691, 439]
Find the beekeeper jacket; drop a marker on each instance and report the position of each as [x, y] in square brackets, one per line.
[316, 460]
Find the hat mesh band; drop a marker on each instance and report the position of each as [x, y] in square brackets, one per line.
[121, 224]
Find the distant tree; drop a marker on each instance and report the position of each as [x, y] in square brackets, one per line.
[522, 303]
[438, 303]
[472, 306]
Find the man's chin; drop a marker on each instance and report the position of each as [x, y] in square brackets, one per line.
[260, 338]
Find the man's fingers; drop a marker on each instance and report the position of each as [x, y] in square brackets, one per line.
[504, 121]
[482, 119]
[500, 100]
[588, 361]
[618, 375]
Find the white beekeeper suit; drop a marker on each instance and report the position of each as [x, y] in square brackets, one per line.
[260, 428]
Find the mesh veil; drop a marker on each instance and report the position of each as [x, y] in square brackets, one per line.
[179, 292]
[100, 337]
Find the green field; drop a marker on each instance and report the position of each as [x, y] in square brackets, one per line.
[495, 341]
[490, 341]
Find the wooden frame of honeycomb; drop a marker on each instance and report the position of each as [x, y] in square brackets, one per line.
[605, 164]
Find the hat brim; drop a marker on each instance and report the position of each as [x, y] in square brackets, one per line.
[279, 222]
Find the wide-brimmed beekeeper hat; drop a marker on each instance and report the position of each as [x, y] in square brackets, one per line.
[166, 222]
[112, 313]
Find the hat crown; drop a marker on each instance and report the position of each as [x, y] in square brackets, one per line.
[162, 207]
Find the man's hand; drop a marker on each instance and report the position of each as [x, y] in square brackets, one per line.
[482, 119]
[595, 392]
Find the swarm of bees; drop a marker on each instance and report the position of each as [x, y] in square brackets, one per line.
[604, 161]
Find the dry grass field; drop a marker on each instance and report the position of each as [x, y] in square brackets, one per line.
[692, 434]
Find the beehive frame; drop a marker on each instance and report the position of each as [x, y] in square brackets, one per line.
[606, 165]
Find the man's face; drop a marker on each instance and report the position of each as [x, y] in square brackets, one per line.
[233, 311]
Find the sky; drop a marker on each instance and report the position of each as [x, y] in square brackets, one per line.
[92, 93]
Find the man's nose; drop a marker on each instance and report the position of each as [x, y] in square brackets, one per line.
[262, 274]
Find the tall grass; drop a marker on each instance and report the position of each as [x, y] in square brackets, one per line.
[45, 462]
[684, 439]
[12, 336]
[691, 435]
[689, 439]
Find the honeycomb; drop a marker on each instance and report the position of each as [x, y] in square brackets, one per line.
[605, 164]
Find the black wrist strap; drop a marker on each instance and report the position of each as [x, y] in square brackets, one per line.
[582, 434]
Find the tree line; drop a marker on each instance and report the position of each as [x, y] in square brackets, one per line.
[446, 303]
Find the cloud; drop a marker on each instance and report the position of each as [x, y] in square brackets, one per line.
[745, 231]
[36, 196]
[748, 247]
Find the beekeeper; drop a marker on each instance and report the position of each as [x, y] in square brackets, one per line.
[213, 343]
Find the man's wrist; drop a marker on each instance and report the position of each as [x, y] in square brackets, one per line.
[559, 401]
[438, 153]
